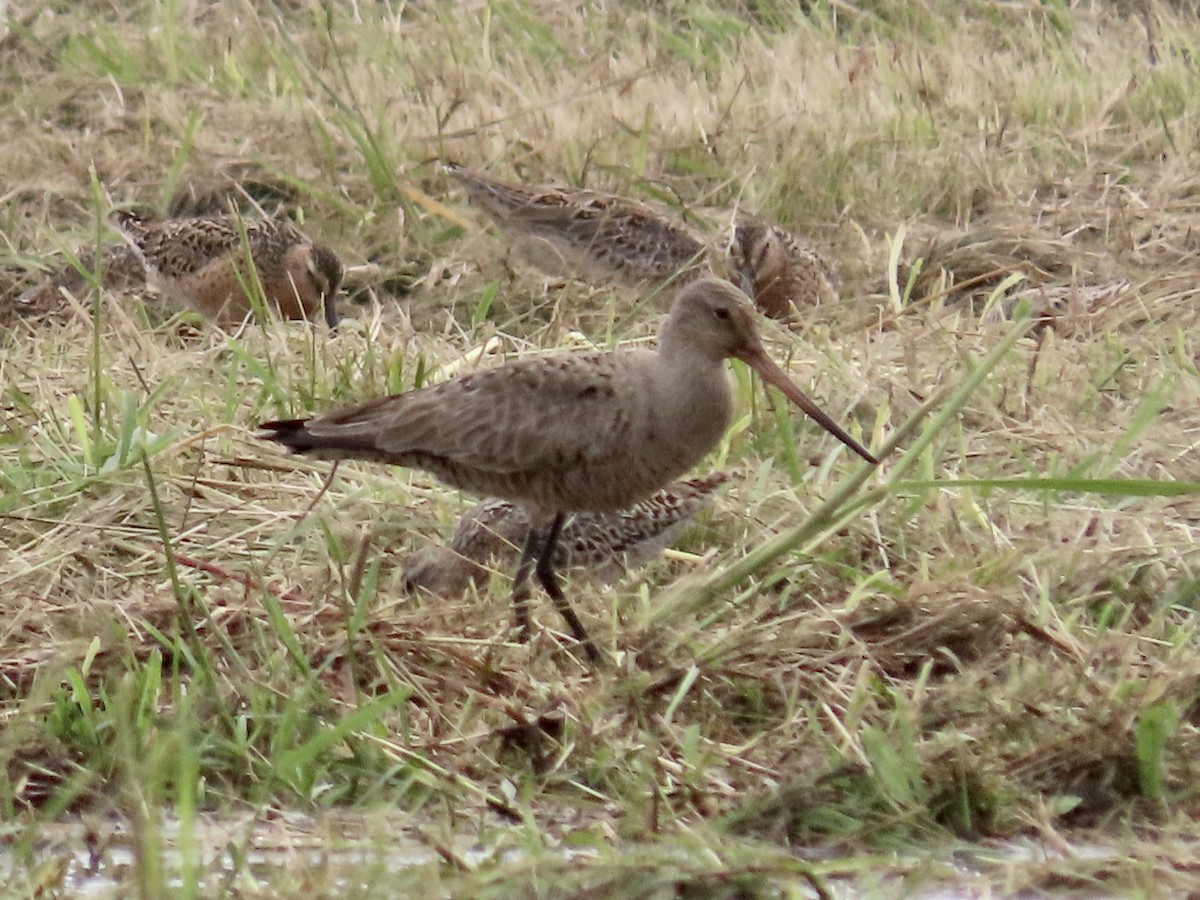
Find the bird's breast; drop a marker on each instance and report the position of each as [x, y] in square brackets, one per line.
[693, 413]
[678, 421]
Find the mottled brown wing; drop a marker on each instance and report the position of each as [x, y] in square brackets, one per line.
[183, 247]
[525, 416]
[649, 237]
[636, 228]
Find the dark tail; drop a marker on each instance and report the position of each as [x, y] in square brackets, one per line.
[296, 436]
[292, 433]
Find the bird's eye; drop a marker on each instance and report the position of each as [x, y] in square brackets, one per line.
[721, 312]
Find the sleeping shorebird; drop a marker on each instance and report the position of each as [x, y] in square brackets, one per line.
[606, 544]
[200, 263]
[114, 268]
[585, 432]
[779, 270]
[601, 238]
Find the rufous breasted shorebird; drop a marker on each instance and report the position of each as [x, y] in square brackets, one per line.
[201, 263]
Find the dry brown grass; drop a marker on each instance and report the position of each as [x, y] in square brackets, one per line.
[954, 663]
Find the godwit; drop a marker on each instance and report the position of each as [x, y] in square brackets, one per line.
[587, 432]
[200, 262]
[591, 235]
[605, 544]
[778, 270]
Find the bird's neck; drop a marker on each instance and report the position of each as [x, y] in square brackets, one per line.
[693, 400]
[674, 349]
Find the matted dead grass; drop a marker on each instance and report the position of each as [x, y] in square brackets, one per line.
[952, 662]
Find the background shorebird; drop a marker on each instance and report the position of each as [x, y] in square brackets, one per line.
[491, 533]
[603, 238]
[587, 432]
[115, 268]
[779, 270]
[200, 263]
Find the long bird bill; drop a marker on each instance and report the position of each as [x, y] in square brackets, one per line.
[756, 357]
[332, 319]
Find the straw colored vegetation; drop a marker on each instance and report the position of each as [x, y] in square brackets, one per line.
[975, 667]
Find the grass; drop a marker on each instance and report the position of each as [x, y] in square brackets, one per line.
[972, 671]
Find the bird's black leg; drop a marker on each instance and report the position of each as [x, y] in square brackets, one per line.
[520, 595]
[545, 575]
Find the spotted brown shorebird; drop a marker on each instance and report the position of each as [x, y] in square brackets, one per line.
[781, 272]
[113, 268]
[605, 544]
[200, 263]
[585, 432]
[598, 237]
[603, 238]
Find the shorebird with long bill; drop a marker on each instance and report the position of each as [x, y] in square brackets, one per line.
[581, 432]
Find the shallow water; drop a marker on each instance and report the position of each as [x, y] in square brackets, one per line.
[95, 858]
